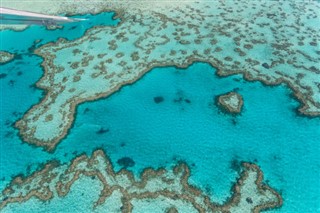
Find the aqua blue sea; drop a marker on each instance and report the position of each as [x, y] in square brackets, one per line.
[186, 126]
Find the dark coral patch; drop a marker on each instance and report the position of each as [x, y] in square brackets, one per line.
[126, 162]
[187, 101]
[265, 65]
[249, 200]
[102, 131]
[235, 165]
[234, 122]
[3, 75]
[11, 83]
[158, 99]
[86, 110]
[72, 28]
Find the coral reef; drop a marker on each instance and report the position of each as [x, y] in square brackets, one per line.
[6, 57]
[167, 188]
[267, 41]
[231, 102]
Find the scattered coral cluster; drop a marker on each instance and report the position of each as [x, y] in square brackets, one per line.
[272, 42]
[167, 188]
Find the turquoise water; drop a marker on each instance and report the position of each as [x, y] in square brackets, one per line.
[186, 126]
[18, 92]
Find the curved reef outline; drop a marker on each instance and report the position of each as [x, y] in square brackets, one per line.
[249, 194]
[231, 102]
[107, 58]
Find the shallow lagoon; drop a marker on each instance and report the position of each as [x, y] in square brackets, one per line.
[268, 131]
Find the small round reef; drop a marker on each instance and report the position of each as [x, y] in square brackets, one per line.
[5, 57]
[231, 102]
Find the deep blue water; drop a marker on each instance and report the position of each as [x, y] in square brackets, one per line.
[267, 132]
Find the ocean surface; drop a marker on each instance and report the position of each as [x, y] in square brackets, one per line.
[186, 126]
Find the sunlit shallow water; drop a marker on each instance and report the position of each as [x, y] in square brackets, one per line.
[186, 125]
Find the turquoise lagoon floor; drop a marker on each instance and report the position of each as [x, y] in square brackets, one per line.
[268, 131]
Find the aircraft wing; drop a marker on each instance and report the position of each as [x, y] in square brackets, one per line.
[11, 16]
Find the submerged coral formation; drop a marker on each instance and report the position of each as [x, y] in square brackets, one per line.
[167, 188]
[273, 42]
[6, 57]
[232, 102]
